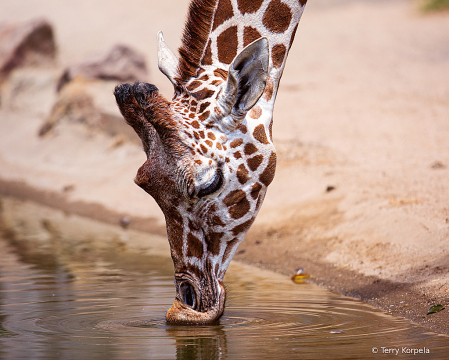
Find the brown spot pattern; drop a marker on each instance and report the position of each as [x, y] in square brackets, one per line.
[194, 246]
[242, 174]
[242, 227]
[255, 190]
[268, 174]
[277, 17]
[213, 242]
[229, 249]
[268, 93]
[195, 124]
[227, 45]
[211, 136]
[216, 221]
[234, 197]
[250, 34]
[237, 155]
[260, 134]
[203, 94]
[224, 12]
[242, 128]
[240, 209]
[209, 143]
[204, 116]
[193, 85]
[255, 162]
[236, 143]
[249, 6]
[221, 73]
[175, 232]
[255, 112]
[278, 55]
[207, 58]
[204, 106]
[216, 268]
[250, 149]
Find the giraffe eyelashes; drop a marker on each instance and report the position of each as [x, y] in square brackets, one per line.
[213, 185]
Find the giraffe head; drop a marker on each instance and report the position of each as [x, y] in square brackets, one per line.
[209, 152]
[206, 170]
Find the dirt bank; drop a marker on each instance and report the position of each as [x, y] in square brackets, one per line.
[360, 199]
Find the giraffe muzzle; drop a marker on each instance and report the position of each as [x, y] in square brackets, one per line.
[188, 307]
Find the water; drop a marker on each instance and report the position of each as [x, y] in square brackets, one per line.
[110, 304]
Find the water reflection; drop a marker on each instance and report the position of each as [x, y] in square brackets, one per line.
[208, 342]
[110, 304]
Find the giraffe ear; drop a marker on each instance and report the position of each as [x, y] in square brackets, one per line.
[167, 60]
[246, 82]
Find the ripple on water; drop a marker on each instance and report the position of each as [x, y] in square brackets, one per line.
[105, 310]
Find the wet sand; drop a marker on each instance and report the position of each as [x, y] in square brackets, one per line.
[360, 198]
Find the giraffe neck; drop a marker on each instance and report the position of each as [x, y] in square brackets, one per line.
[233, 24]
[204, 66]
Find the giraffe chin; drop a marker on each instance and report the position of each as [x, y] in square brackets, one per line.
[179, 313]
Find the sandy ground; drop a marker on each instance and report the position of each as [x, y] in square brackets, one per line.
[360, 199]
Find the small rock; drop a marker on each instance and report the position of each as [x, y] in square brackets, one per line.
[74, 105]
[68, 188]
[26, 44]
[437, 165]
[330, 188]
[118, 63]
[125, 221]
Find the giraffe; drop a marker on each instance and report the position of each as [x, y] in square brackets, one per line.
[210, 154]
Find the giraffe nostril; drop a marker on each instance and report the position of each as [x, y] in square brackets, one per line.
[188, 294]
[141, 91]
[121, 93]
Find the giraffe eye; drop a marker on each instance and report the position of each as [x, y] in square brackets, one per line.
[188, 295]
[212, 185]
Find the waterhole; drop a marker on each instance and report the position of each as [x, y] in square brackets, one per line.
[105, 303]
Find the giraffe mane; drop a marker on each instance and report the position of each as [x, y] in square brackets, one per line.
[195, 37]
